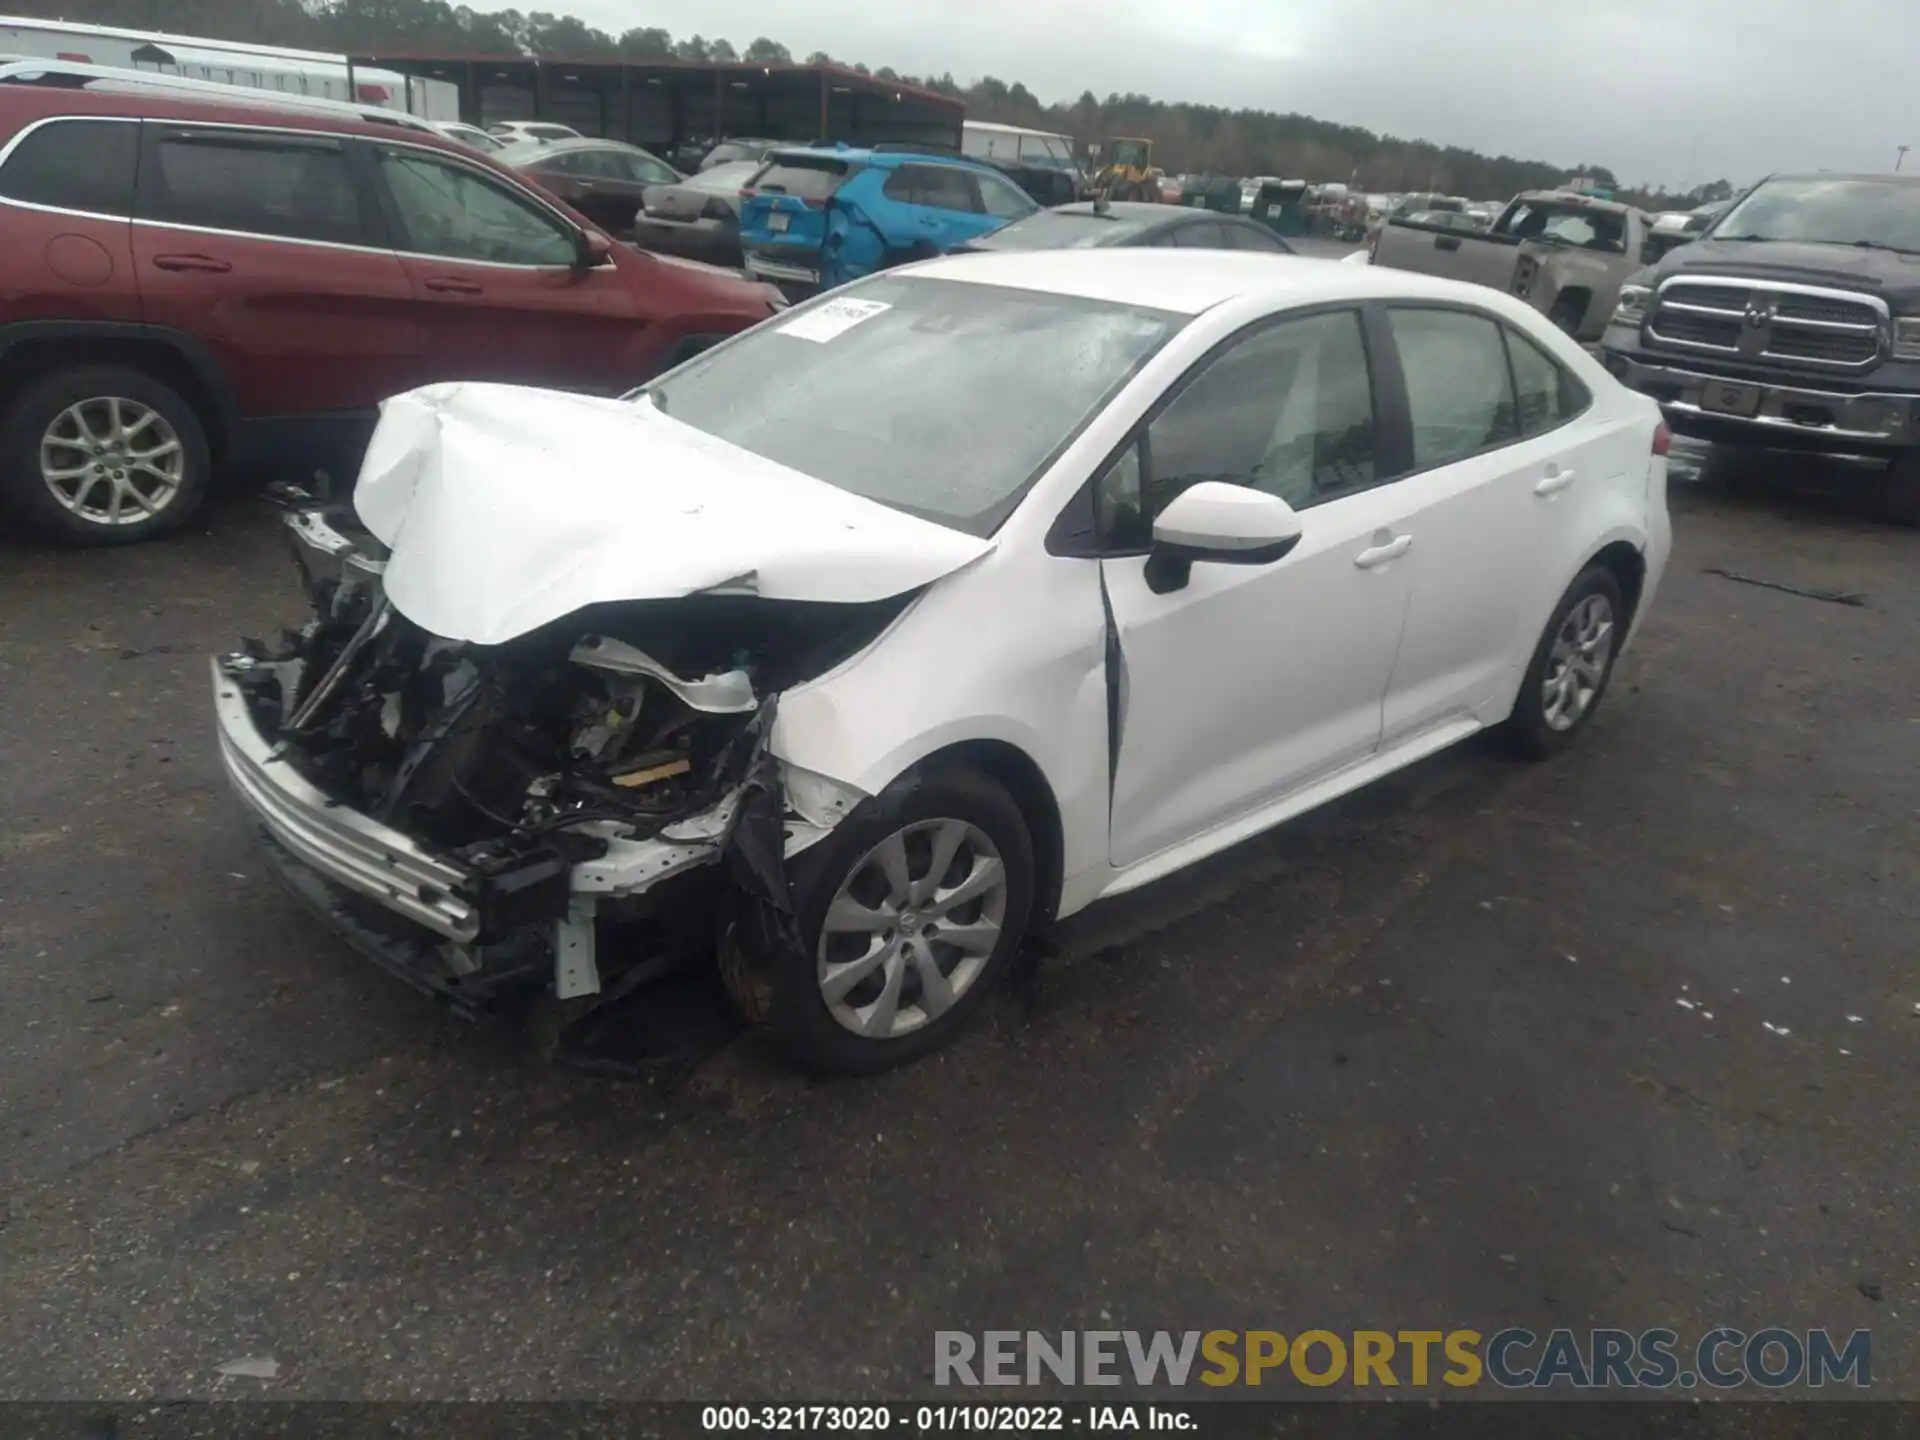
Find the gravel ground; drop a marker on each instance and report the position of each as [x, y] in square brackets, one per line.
[1418, 1061]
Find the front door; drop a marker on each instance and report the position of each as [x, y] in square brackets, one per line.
[497, 284]
[1253, 681]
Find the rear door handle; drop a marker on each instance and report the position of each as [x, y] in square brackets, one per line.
[449, 286]
[204, 264]
[1555, 482]
[1377, 555]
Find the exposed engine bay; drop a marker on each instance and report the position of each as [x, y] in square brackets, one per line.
[515, 763]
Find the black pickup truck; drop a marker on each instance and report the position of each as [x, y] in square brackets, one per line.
[1794, 323]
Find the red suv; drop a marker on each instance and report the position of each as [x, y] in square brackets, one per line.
[189, 279]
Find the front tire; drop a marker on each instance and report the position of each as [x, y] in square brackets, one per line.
[1571, 666]
[102, 455]
[906, 916]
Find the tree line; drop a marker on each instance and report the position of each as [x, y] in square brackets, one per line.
[1187, 137]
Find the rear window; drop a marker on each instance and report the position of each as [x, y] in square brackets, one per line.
[808, 177]
[221, 180]
[85, 165]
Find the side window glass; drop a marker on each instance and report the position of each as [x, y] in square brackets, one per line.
[900, 186]
[1547, 395]
[85, 165]
[1459, 394]
[1204, 236]
[218, 180]
[1288, 410]
[1002, 198]
[945, 187]
[449, 210]
[1253, 237]
[1120, 516]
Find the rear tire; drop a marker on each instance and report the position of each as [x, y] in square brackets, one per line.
[1571, 667]
[905, 966]
[102, 455]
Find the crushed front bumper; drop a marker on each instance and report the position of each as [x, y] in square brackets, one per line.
[364, 858]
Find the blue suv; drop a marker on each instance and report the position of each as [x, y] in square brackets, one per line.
[814, 218]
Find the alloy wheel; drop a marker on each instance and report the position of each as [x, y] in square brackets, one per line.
[911, 928]
[112, 461]
[1577, 663]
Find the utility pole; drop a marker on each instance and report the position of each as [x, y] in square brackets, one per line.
[1900, 156]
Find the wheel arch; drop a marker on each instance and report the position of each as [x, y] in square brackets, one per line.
[1021, 776]
[33, 349]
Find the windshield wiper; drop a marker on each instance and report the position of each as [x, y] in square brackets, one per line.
[1880, 245]
[1743, 237]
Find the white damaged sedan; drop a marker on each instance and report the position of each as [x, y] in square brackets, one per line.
[867, 643]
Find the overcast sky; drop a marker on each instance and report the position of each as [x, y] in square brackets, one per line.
[1661, 91]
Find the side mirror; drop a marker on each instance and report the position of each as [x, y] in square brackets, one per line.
[1220, 524]
[594, 250]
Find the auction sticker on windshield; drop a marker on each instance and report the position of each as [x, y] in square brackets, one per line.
[836, 317]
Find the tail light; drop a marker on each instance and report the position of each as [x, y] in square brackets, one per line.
[813, 204]
[748, 194]
[1662, 439]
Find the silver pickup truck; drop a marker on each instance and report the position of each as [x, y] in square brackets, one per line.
[1564, 253]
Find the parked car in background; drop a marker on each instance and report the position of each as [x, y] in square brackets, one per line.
[1792, 322]
[683, 681]
[1565, 253]
[259, 274]
[510, 132]
[472, 136]
[735, 150]
[604, 180]
[698, 217]
[1099, 224]
[814, 218]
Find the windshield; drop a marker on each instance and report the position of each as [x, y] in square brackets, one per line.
[1829, 211]
[939, 398]
[1057, 230]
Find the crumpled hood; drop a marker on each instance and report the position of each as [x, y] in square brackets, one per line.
[506, 508]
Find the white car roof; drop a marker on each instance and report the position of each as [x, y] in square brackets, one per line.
[1190, 281]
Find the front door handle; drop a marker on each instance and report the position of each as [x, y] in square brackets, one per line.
[1556, 481]
[446, 285]
[202, 264]
[1377, 555]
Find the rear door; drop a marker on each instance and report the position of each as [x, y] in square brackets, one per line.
[935, 208]
[66, 195]
[497, 288]
[266, 246]
[1506, 489]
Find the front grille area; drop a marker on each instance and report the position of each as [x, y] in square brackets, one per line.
[1685, 328]
[1827, 312]
[1829, 347]
[1830, 330]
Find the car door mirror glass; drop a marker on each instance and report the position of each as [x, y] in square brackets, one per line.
[1215, 522]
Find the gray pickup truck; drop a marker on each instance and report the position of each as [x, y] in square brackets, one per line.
[1564, 253]
[1792, 323]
